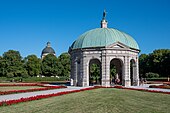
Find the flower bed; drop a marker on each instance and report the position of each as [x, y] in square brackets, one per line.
[137, 89]
[160, 86]
[153, 91]
[22, 84]
[28, 90]
[10, 102]
[167, 83]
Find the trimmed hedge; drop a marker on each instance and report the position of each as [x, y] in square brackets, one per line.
[157, 79]
[152, 75]
[40, 79]
[31, 79]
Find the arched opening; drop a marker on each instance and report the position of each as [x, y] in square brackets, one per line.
[94, 72]
[132, 71]
[116, 71]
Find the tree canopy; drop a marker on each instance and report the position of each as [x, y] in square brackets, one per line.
[49, 65]
[64, 64]
[157, 62]
[13, 65]
[33, 65]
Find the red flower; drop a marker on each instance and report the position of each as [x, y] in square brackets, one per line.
[28, 90]
[10, 102]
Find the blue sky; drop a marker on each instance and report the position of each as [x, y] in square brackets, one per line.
[27, 25]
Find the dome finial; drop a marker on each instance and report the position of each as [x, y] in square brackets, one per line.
[48, 44]
[104, 21]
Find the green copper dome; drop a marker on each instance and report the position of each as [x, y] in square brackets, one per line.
[102, 37]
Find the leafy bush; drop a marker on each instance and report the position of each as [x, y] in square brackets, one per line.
[152, 75]
[3, 79]
[10, 75]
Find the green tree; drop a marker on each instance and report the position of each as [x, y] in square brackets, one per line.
[94, 72]
[14, 64]
[143, 64]
[64, 65]
[49, 65]
[112, 71]
[2, 66]
[157, 62]
[33, 65]
[166, 63]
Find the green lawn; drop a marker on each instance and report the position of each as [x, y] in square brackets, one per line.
[97, 101]
[9, 88]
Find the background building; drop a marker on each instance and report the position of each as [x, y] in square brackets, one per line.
[47, 50]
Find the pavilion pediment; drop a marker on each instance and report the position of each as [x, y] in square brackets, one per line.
[118, 45]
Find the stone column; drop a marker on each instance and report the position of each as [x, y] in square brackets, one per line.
[74, 72]
[80, 71]
[136, 73]
[126, 79]
[79, 74]
[123, 71]
[85, 72]
[105, 70]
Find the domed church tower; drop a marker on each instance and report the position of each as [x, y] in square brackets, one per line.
[47, 50]
[107, 48]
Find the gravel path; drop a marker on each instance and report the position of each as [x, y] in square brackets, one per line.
[30, 94]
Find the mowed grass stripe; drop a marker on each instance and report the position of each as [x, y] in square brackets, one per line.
[9, 88]
[97, 101]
